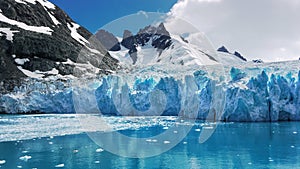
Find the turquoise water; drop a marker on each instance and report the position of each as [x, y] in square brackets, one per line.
[233, 145]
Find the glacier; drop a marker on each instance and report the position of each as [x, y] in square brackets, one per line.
[248, 93]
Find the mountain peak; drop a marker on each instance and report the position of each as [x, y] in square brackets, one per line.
[157, 37]
[240, 56]
[127, 34]
[223, 49]
[161, 30]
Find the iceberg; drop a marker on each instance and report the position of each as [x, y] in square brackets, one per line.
[250, 93]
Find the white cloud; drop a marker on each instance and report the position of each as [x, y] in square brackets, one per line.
[256, 28]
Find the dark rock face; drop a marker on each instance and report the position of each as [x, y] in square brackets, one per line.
[240, 56]
[8, 70]
[258, 61]
[108, 40]
[129, 40]
[44, 51]
[223, 49]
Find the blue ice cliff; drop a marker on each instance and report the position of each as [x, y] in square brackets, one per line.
[265, 92]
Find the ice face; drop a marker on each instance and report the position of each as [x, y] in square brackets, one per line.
[266, 92]
[39, 97]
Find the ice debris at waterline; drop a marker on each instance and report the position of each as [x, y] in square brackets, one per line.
[265, 92]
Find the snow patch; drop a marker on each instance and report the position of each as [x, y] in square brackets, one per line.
[68, 62]
[8, 33]
[38, 74]
[228, 59]
[20, 1]
[85, 67]
[30, 74]
[93, 50]
[44, 3]
[55, 21]
[21, 61]
[75, 35]
[51, 72]
[38, 29]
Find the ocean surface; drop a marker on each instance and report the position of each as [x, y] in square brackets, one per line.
[60, 141]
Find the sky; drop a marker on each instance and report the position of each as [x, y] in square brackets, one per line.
[94, 14]
[258, 29]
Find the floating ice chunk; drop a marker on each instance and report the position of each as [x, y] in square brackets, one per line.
[97, 162]
[208, 127]
[2, 162]
[151, 140]
[60, 166]
[99, 150]
[25, 158]
[167, 142]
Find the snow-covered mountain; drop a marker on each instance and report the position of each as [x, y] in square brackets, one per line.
[38, 39]
[154, 45]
